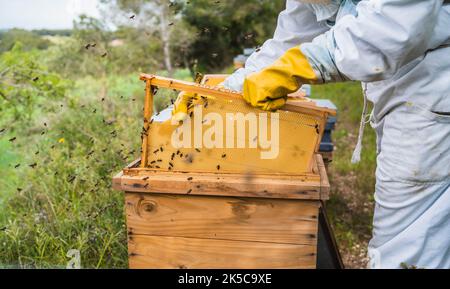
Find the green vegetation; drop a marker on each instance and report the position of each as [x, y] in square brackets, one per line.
[71, 115]
[29, 39]
[351, 203]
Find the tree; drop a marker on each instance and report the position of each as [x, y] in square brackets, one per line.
[28, 39]
[150, 16]
[26, 86]
[226, 27]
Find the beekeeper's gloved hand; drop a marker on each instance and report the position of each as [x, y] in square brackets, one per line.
[268, 89]
[181, 106]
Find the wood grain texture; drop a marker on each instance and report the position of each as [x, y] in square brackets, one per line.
[217, 185]
[242, 219]
[203, 89]
[194, 253]
[324, 182]
[148, 112]
[311, 186]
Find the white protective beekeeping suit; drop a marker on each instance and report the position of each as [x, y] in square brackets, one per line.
[400, 50]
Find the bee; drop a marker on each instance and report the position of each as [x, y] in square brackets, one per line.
[189, 191]
[33, 165]
[198, 76]
[218, 167]
[197, 150]
[224, 156]
[190, 178]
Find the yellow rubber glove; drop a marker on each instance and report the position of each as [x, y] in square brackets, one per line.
[181, 105]
[268, 89]
[185, 101]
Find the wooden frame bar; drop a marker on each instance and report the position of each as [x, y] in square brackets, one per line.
[148, 112]
[291, 105]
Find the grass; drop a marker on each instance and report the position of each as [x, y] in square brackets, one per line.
[66, 202]
[351, 203]
[60, 197]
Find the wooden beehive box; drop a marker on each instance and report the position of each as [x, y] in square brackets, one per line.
[225, 207]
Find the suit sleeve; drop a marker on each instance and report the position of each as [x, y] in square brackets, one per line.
[375, 43]
[296, 24]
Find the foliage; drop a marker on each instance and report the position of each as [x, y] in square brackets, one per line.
[26, 86]
[226, 27]
[92, 51]
[29, 40]
[162, 19]
[60, 197]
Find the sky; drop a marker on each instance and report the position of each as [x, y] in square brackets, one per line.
[44, 14]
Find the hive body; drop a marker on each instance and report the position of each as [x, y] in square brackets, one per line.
[226, 206]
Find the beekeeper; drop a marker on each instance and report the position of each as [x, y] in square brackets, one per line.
[400, 51]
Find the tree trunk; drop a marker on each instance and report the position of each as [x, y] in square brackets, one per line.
[165, 37]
